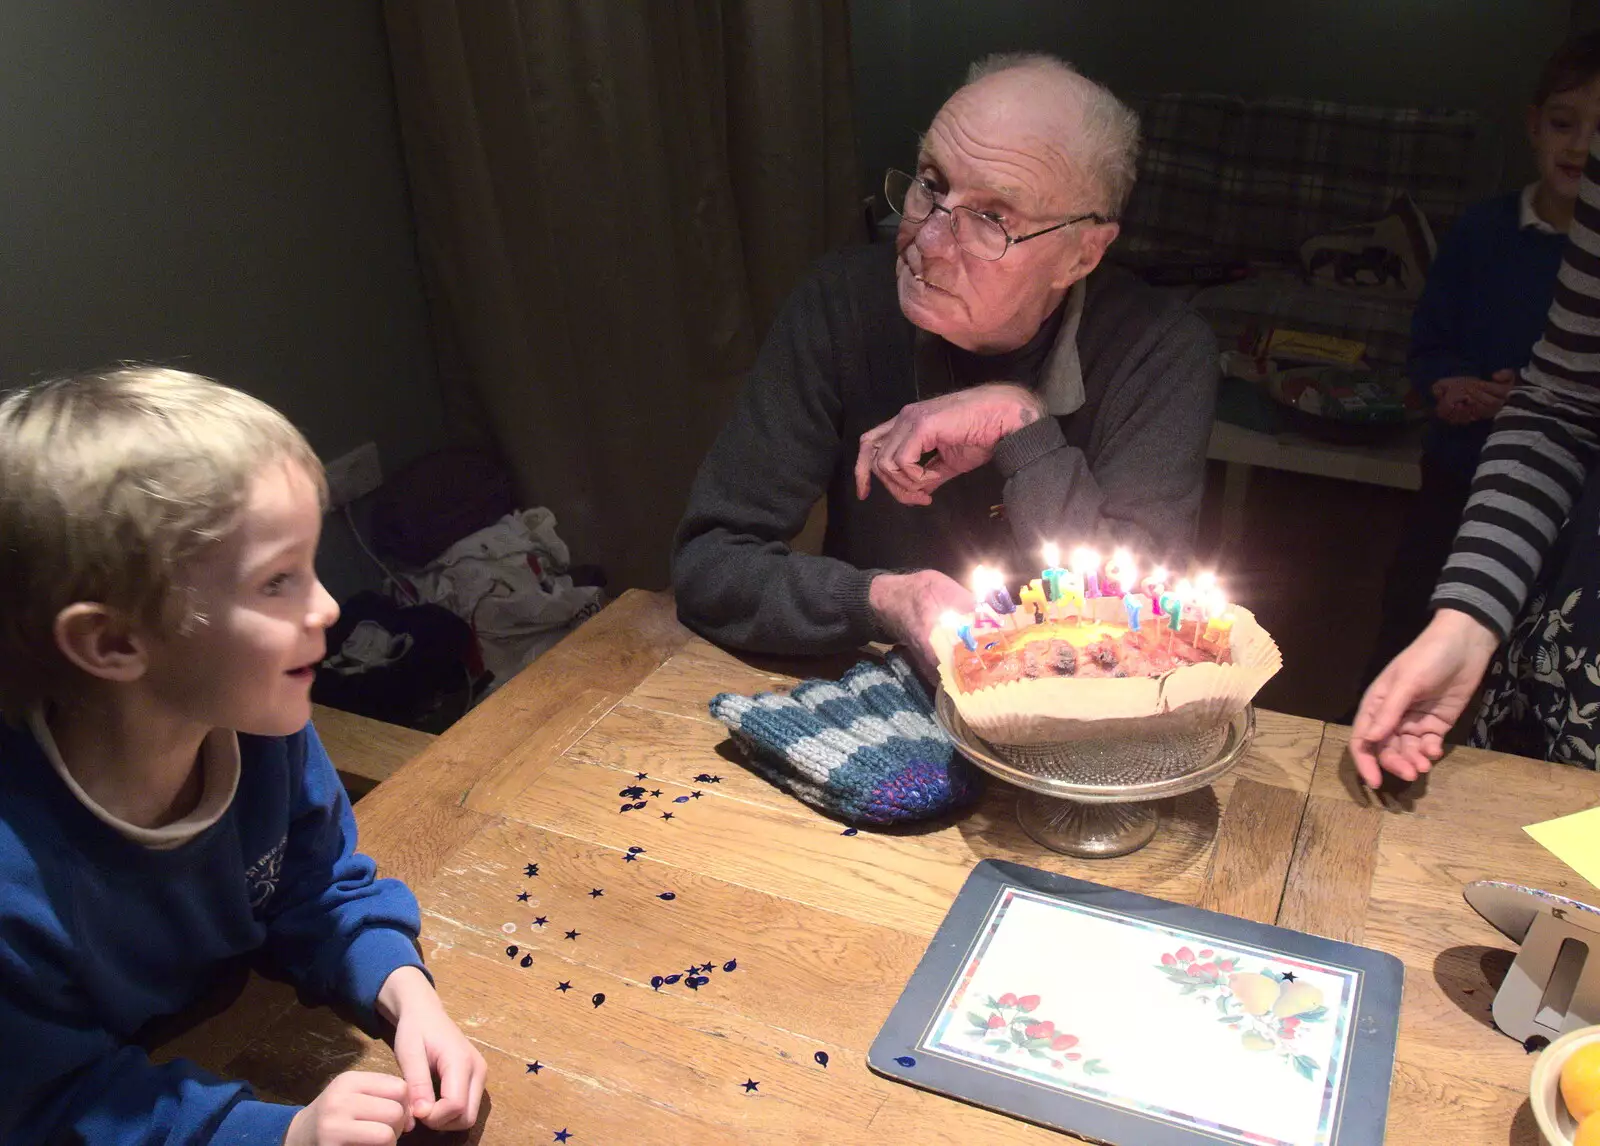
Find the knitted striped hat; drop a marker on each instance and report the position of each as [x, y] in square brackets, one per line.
[865, 749]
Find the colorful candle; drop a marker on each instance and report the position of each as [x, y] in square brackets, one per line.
[962, 629]
[1155, 587]
[1086, 564]
[1052, 570]
[1133, 603]
[1122, 573]
[1171, 606]
[1184, 595]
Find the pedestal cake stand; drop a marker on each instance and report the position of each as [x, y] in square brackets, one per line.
[1101, 798]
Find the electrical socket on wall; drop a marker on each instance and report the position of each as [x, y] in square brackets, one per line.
[353, 475]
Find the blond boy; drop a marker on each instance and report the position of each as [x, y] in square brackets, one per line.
[165, 806]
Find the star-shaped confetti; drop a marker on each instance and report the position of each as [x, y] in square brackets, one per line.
[749, 1084]
[562, 1135]
[642, 776]
[596, 893]
[1288, 976]
[563, 987]
[531, 870]
[540, 921]
[534, 1068]
[695, 795]
[666, 815]
[656, 793]
[628, 857]
[572, 934]
[522, 897]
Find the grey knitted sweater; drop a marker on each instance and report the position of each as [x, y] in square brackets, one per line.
[1126, 467]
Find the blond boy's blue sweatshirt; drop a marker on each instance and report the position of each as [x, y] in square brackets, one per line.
[99, 935]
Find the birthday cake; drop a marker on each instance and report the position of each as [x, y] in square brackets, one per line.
[1092, 654]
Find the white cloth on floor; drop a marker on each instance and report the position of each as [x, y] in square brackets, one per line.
[508, 582]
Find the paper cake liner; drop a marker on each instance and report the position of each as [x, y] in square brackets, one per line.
[1054, 710]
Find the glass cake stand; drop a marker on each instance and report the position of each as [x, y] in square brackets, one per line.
[1101, 798]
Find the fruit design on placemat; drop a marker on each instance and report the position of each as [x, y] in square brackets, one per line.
[1267, 1008]
[1010, 1026]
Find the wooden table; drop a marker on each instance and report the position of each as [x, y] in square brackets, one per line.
[827, 928]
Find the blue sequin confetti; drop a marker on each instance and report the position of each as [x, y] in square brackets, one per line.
[527, 960]
[706, 778]
[522, 897]
[821, 1058]
[671, 979]
[680, 799]
[597, 999]
[906, 1060]
[669, 896]
[666, 815]
[656, 981]
[749, 1084]
[531, 870]
[731, 965]
[573, 934]
[635, 850]
[540, 921]
[696, 981]
[633, 807]
[563, 986]
[596, 893]
[511, 952]
[562, 1135]
[850, 831]
[534, 1067]
[632, 792]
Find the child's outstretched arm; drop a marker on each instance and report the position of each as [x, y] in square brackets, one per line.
[341, 933]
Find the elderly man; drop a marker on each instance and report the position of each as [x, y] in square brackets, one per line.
[980, 390]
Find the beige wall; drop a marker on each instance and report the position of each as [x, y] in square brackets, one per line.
[217, 186]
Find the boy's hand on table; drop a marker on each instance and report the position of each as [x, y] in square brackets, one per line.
[1401, 725]
[1463, 399]
[426, 1043]
[358, 1108]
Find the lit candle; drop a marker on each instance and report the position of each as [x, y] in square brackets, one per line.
[1033, 597]
[1171, 606]
[1181, 599]
[962, 629]
[1052, 570]
[1133, 602]
[1155, 587]
[1086, 564]
[1122, 573]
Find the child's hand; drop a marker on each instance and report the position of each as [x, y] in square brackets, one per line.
[358, 1108]
[427, 1043]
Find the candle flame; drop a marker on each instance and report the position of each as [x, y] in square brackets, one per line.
[1052, 555]
[1160, 574]
[950, 619]
[1085, 560]
[1205, 581]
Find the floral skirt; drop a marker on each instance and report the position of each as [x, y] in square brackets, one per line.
[1541, 695]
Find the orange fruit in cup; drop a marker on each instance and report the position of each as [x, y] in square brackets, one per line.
[1588, 1132]
[1580, 1084]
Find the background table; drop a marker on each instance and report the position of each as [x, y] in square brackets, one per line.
[827, 928]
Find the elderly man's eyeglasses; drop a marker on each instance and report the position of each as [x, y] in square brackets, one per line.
[915, 199]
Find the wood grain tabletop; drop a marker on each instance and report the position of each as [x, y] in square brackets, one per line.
[805, 936]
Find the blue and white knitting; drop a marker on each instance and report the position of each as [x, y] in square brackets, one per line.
[865, 749]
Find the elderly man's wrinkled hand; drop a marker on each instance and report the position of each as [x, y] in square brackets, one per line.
[928, 443]
[909, 606]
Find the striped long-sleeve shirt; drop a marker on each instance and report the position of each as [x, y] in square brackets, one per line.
[1545, 439]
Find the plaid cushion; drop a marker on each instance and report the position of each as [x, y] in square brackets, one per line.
[1254, 179]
